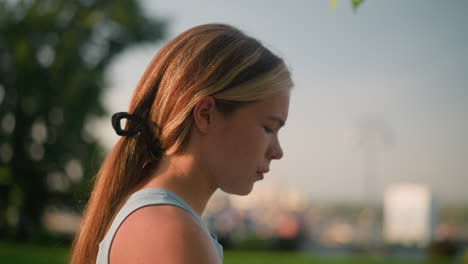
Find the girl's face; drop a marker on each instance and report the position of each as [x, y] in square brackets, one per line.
[245, 143]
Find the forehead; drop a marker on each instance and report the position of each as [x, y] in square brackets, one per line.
[276, 105]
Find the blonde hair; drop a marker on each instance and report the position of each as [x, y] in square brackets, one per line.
[209, 60]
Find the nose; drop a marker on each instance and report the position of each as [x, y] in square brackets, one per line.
[276, 152]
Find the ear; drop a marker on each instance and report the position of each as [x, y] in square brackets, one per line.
[203, 113]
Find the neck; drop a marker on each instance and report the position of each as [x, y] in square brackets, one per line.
[179, 174]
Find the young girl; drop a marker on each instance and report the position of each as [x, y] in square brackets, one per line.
[205, 115]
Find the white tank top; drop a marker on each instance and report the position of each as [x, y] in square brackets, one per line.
[142, 198]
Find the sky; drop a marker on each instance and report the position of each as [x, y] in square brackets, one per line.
[380, 96]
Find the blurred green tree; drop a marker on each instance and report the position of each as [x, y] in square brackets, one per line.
[354, 3]
[53, 55]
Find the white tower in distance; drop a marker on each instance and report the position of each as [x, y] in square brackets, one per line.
[409, 215]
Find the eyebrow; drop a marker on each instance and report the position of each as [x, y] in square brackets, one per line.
[277, 119]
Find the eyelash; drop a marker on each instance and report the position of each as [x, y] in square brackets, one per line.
[268, 130]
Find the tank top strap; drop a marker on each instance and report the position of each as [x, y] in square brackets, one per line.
[143, 198]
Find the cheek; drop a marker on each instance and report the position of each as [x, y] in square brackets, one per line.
[249, 147]
[237, 150]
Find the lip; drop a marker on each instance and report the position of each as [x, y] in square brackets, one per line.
[260, 175]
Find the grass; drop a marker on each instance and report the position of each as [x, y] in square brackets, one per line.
[23, 253]
[239, 257]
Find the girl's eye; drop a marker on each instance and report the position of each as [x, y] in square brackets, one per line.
[268, 130]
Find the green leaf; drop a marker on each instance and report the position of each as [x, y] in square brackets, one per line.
[334, 3]
[356, 3]
[5, 175]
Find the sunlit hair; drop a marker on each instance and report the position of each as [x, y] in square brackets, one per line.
[209, 60]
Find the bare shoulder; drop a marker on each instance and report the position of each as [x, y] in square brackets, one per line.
[162, 234]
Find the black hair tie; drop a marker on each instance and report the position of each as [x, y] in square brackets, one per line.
[117, 117]
[142, 127]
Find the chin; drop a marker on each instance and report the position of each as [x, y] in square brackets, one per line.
[240, 190]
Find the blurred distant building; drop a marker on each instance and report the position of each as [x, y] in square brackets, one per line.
[409, 215]
[271, 213]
